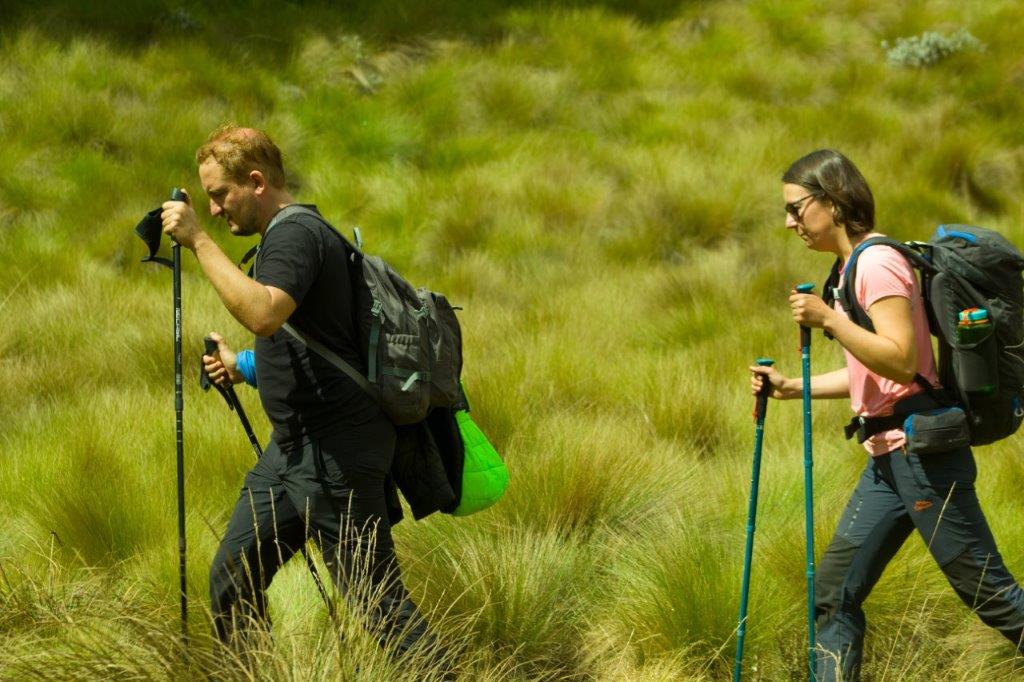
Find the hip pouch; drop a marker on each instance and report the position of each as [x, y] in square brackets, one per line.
[938, 430]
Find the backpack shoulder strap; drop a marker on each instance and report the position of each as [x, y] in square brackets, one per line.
[296, 209]
[279, 217]
[846, 294]
[830, 290]
[311, 343]
[290, 210]
[331, 357]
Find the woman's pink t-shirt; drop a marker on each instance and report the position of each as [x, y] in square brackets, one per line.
[882, 272]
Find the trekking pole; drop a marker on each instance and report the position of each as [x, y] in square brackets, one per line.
[179, 407]
[760, 410]
[228, 392]
[805, 357]
[150, 229]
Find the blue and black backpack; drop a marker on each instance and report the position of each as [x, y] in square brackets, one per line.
[963, 267]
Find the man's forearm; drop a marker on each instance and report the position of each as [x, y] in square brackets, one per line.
[247, 301]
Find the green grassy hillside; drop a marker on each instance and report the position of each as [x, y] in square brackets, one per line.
[597, 185]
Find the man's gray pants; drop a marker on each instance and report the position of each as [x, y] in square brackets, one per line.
[331, 490]
[897, 493]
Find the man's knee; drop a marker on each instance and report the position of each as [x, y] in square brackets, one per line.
[222, 579]
[233, 577]
[237, 595]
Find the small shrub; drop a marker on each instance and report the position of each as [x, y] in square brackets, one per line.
[929, 48]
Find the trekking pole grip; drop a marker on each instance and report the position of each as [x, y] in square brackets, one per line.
[177, 194]
[805, 332]
[761, 404]
[766, 384]
[209, 348]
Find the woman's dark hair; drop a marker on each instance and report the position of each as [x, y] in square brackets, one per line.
[829, 174]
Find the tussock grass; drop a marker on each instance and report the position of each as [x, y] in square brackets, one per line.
[596, 184]
[516, 588]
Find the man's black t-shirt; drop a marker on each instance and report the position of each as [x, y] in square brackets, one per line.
[303, 394]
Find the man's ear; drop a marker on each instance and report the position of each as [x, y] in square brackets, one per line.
[257, 181]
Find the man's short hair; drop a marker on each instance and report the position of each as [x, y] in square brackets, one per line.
[239, 151]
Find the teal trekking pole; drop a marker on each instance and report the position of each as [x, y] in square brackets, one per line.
[805, 357]
[760, 410]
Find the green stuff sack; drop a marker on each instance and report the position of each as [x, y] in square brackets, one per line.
[484, 474]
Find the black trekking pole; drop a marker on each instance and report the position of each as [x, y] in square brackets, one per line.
[760, 411]
[150, 230]
[229, 395]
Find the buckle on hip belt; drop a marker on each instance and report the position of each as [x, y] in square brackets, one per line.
[856, 428]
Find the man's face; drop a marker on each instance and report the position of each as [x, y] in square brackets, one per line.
[234, 202]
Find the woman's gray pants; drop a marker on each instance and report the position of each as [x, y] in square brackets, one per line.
[897, 493]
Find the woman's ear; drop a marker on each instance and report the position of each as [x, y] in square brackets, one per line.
[837, 215]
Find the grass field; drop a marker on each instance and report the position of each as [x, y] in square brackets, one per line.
[597, 184]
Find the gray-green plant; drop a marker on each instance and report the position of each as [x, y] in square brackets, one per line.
[930, 47]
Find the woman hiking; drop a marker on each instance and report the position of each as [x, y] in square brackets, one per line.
[830, 207]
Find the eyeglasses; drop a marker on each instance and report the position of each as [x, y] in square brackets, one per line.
[793, 208]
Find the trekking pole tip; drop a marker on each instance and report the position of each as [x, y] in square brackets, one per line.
[805, 288]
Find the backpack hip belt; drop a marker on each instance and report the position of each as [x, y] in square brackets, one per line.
[866, 427]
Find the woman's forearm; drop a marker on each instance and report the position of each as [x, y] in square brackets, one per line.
[834, 384]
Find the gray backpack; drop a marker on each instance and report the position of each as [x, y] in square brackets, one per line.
[412, 337]
[964, 267]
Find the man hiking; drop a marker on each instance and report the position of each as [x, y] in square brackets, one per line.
[322, 475]
[903, 487]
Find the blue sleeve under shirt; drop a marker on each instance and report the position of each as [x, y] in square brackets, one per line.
[247, 366]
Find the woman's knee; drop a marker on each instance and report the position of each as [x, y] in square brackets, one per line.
[832, 573]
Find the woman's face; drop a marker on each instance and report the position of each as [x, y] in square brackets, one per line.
[810, 216]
